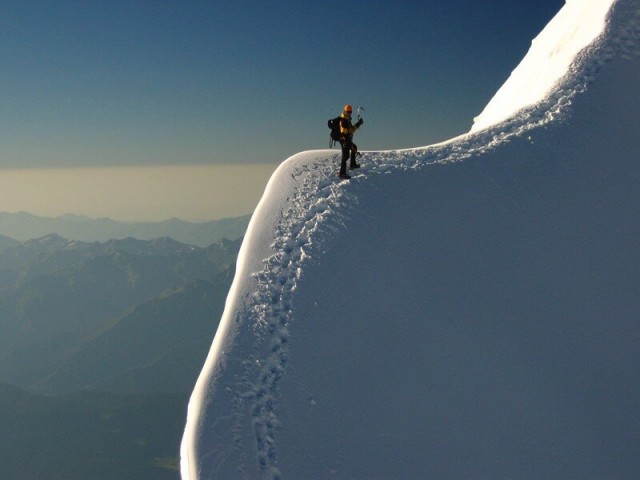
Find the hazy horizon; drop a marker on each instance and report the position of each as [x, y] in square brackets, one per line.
[196, 193]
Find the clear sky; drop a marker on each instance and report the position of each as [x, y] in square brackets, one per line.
[160, 83]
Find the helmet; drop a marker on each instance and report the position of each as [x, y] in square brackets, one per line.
[348, 108]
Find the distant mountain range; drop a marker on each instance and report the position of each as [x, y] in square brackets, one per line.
[77, 315]
[100, 346]
[24, 226]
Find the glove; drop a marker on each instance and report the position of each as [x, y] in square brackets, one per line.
[359, 123]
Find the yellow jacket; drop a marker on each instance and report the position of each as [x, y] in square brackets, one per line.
[346, 128]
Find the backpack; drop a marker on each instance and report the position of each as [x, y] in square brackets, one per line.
[334, 125]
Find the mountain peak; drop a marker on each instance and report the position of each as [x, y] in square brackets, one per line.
[51, 239]
[552, 53]
[23, 226]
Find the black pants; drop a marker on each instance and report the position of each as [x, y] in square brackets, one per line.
[349, 150]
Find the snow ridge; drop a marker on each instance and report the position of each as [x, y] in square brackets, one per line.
[319, 195]
[275, 284]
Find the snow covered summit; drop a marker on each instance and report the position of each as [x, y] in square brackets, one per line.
[463, 310]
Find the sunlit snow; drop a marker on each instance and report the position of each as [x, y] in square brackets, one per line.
[462, 310]
[550, 58]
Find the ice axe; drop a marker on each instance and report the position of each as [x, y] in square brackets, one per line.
[360, 109]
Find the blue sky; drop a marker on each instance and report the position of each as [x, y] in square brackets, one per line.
[124, 83]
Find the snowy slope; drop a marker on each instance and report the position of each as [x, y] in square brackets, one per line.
[550, 58]
[464, 310]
